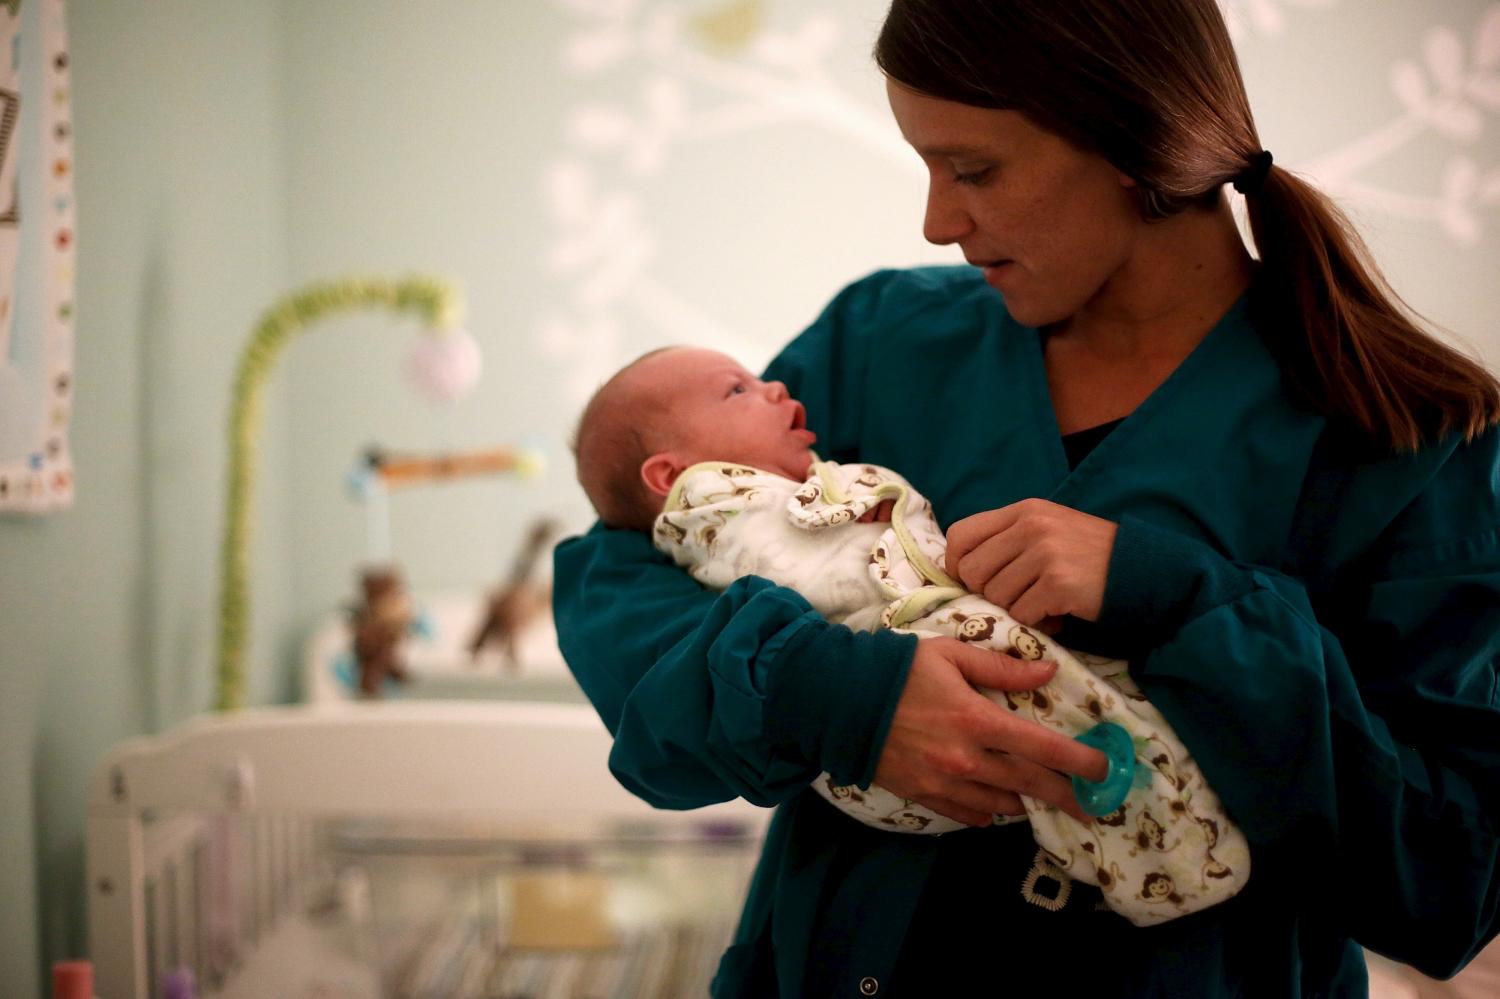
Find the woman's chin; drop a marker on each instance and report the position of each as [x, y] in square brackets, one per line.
[1029, 312]
[1027, 309]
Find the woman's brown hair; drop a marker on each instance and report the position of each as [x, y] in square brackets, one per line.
[1154, 87]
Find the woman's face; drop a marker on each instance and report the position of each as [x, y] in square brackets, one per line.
[1051, 225]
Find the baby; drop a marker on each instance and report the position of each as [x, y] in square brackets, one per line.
[717, 466]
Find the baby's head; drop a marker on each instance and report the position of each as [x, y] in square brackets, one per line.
[671, 409]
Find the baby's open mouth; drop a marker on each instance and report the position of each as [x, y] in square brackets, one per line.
[799, 426]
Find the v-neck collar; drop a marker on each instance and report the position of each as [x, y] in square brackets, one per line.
[1068, 481]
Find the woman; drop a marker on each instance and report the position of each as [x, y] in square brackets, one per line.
[1258, 480]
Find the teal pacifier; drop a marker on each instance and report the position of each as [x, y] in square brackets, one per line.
[1102, 797]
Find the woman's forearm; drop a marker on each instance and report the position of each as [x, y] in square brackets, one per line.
[746, 693]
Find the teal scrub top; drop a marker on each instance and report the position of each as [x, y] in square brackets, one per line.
[1319, 622]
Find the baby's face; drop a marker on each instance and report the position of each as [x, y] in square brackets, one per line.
[721, 412]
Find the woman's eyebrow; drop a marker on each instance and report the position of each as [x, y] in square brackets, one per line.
[957, 150]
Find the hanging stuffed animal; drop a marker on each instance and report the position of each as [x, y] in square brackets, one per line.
[518, 601]
[379, 625]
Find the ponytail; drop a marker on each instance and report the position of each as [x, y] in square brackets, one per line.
[1348, 345]
[1154, 87]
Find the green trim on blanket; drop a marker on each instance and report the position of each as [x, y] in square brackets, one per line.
[922, 601]
[831, 488]
[914, 554]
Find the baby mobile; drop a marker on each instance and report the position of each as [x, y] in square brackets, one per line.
[443, 365]
[385, 616]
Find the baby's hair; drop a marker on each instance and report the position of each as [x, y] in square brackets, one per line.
[616, 433]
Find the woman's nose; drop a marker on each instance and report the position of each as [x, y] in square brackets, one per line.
[945, 222]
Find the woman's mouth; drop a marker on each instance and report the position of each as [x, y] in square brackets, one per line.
[996, 270]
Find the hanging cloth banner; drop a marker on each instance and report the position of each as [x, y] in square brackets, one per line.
[36, 257]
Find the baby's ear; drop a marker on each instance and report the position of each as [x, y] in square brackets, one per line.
[660, 471]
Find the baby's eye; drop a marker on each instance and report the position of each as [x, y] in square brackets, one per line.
[737, 389]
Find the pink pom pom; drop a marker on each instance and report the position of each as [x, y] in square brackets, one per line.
[444, 366]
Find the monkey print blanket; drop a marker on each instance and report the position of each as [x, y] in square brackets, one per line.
[1167, 851]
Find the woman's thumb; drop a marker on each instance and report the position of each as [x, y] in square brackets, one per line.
[997, 671]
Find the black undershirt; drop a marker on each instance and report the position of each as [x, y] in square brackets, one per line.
[1080, 443]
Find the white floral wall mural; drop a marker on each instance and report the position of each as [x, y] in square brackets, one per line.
[663, 82]
[1447, 94]
[1267, 17]
[703, 72]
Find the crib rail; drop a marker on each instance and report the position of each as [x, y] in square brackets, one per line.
[245, 801]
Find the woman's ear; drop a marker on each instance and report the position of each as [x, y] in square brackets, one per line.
[660, 471]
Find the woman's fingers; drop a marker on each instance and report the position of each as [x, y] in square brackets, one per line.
[1017, 736]
[995, 670]
[1036, 558]
[964, 756]
[988, 556]
[1016, 580]
[1007, 575]
[1037, 604]
[1033, 781]
[975, 801]
[967, 534]
[1043, 747]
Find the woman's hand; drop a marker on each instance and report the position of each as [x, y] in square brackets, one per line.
[955, 751]
[1037, 559]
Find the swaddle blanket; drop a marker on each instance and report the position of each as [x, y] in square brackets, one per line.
[1168, 850]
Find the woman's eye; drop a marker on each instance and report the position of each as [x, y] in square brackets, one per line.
[973, 178]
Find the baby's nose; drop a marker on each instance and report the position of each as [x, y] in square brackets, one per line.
[776, 390]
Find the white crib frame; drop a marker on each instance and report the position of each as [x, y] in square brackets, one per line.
[530, 765]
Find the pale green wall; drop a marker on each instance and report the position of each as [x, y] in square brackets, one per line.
[227, 151]
[413, 144]
[105, 609]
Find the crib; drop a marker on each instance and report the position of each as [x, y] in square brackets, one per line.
[404, 848]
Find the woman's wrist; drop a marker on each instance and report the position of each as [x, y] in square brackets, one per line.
[1157, 581]
[831, 693]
